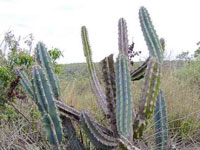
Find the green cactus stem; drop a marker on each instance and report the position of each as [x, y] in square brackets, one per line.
[97, 137]
[25, 82]
[124, 110]
[139, 72]
[160, 115]
[94, 81]
[122, 37]
[46, 104]
[148, 96]
[151, 38]
[43, 59]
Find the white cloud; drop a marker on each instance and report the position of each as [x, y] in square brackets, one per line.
[58, 23]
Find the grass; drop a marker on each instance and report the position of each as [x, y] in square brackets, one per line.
[180, 91]
[182, 101]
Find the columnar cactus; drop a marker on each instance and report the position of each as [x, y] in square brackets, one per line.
[124, 109]
[44, 89]
[116, 100]
[130, 122]
[45, 100]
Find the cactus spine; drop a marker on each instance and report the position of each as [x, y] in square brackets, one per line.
[160, 115]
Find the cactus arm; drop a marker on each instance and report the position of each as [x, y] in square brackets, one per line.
[107, 67]
[43, 59]
[25, 82]
[139, 72]
[124, 104]
[46, 103]
[148, 97]
[95, 84]
[160, 116]
[74, 114]
[123, 37]
[151, 38]
[97, 137]
[51, 104]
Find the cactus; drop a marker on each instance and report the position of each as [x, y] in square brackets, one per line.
[124, 105]
[160, 116]
[148, 97]
[44, 96]
[116, 101]
[107, 66]
[74, 142]
[127, 121]
[151, 38]
[95, 84]
[122, 37]
[97, 137]
[139, 72]
[25, 82]
[43, 59]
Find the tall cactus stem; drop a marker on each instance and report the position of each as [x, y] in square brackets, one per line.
[94, 81]
[150, 35]
[107, 66]
[123, 37]
[160, 115]
[124, 103]
[46, 102]
[43, 59]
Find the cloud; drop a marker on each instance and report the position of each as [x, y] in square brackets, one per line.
[58, 24]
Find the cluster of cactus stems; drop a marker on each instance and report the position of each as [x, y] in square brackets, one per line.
[116, 99]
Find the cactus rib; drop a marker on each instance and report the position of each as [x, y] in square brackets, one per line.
[160, 116]
[91, 69]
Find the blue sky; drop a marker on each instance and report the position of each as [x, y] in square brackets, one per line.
[58, 22]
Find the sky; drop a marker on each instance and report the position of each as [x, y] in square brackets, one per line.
[58, 24]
